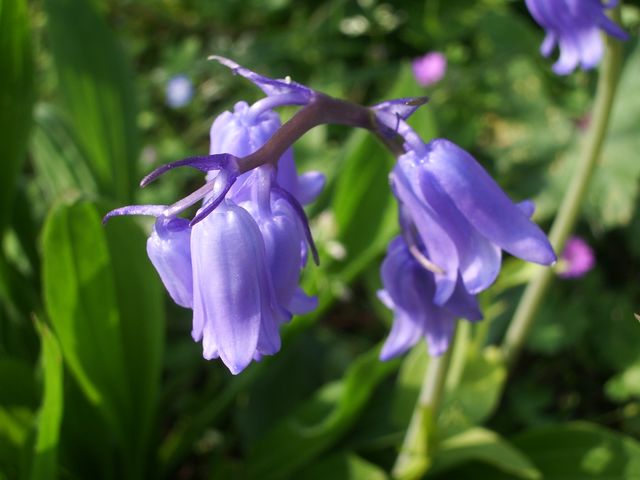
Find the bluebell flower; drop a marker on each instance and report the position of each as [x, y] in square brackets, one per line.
[409, 289]
[574, 26]
[248, 128]
[237, 263]
[179, 91]
[452, 206]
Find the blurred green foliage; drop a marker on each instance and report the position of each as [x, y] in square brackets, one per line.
[98, 375]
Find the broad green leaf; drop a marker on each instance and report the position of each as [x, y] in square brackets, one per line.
[477, 395]
[319, 422]
[581, 450]
[16, 96]
[343, 466]
[96, 83]
[44, 464]
[485, 446]
[140, 299]
[466, 404]
[105, 304]
[81, 302]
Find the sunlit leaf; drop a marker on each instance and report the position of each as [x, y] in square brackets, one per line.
[97, 89]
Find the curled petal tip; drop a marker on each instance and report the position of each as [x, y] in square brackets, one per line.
[202, 163]
[152, 210]
[268, 85]
[403, 107]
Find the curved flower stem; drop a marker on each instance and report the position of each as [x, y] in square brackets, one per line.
[570, 207]
[321, 110]
[413, 460]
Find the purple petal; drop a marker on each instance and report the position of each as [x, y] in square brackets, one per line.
[168, 248]
[440, 332]
[463, 305]
[485, 205]
[480, 260]
[527, 207]
[303, 220]
[441, 250]
[231, 289]
[301, 303]
[310, 185]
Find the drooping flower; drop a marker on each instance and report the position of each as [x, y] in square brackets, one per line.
[409, 289]
[430, 68]
[451, 205]
[576, 259]
[179, 91]
[237, 263]
[574, 26]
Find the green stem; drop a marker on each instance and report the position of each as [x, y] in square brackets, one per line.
[570, 208]
[413, 460]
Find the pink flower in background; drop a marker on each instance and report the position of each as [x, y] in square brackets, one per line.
[430, 68]
[576, 259]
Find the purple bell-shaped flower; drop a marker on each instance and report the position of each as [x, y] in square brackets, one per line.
[462, 218]
[574, 26]
[409, 289]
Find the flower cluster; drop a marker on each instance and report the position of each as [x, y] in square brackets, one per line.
[574, 25]
[455, 222]
[237, 263]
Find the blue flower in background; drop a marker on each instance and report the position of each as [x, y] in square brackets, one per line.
[574, 25]
[179, 91]
[409, 289]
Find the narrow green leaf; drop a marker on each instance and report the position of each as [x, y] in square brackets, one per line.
[319, 422]
[485, 446]
[106, 306]
[96, 84]
[81, 301]
[44, 463]
[60, 167]
[16, 96]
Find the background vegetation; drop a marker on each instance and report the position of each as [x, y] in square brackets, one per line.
[99, 377]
